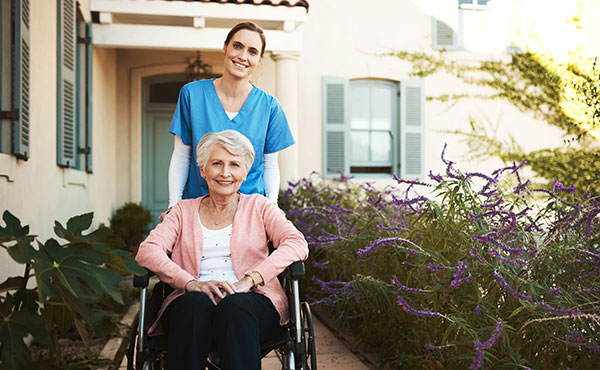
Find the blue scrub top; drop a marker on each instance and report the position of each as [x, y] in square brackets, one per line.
[261, 119]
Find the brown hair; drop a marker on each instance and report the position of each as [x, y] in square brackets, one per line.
[250, 26]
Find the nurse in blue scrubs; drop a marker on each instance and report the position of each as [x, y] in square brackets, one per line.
[229, 102]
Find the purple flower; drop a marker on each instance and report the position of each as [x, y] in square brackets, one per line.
[490, 342]
[476, 254]
[477, 310]
[557, 186]
[509, 289]
[575, 336]
[556, 311]
[402, 303]
[554, 292]
[381, 241]
[404, 287]
[435, 267]
[593, 346]
[476, 364]
[319, 265]
[326, 286]
[326, 301]
[437, 178]
[432, 347]
[461, 267]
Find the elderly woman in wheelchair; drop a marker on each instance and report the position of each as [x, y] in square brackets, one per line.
[227, 297]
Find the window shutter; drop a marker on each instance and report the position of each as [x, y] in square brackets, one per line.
[21, 81]
[444, 37]
[66, 84]
[412, 129]
[88, 102]
[336, 121]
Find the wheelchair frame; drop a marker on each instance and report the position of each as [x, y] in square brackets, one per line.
[295, 348]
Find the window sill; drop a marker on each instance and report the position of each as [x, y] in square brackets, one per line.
[73, 177]
[8, 165]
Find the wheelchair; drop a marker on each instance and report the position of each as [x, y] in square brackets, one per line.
[295, 346]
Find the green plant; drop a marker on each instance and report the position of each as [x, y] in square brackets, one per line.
[130, 221]
[70, 278]
[477, 275]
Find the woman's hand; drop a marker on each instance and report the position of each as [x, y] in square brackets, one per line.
[215, 290]
[162, 216]
[244, 285]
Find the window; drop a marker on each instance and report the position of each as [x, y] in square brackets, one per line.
[14, 78]
[74, 88]
[466, 26]
[373, 127]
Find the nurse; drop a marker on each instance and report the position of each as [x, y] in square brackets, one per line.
[229, 102]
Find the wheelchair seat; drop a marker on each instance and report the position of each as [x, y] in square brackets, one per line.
[295, 346]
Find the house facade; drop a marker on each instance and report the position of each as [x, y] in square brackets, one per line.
[89, 88]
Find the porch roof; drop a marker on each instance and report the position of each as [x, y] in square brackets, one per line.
[194, 25]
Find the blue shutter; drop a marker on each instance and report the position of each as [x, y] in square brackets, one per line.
[21, 81]
[66, 137]
[88, 102]
[412, 129]
[336, 124]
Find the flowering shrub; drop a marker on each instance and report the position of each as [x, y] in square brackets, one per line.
[478, 274]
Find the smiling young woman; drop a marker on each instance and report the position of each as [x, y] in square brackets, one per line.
[229, 102]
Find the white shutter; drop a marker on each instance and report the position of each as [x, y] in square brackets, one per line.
[336, 122]
[67, 149]
[21, 80]
[412, 129]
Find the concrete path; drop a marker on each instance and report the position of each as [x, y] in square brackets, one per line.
[331, 353]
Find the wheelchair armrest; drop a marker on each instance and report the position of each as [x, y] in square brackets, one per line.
[296, 270]
[142, 281]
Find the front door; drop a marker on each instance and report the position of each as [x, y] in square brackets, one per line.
[160, 98]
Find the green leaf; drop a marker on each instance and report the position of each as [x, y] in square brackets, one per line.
[76, 225]
[22, 251]
[515, 312]
[58, 314]
[13, 227]
[75, 267]
[12, 283]
[14, 326]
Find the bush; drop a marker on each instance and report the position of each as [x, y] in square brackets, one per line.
[479, 274]
[130, 221]
[72, 279]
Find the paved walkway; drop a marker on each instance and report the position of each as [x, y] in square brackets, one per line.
[331, 353]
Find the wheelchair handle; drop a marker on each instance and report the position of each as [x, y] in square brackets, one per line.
[142, 281]
[296, 270]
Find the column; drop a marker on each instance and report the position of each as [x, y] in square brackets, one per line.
[286, 90]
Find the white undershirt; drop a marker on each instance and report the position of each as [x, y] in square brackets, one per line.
[216, 255]
[180, 165]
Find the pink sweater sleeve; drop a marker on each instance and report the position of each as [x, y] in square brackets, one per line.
[153, 253]
[290, 245]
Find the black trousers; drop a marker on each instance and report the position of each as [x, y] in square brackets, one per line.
[234, 329]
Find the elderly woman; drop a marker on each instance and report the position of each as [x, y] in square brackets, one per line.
[227, 296]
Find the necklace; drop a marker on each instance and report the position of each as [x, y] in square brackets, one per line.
[224, 213]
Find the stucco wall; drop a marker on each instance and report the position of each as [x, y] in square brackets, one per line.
[344, 37]
[39, 191]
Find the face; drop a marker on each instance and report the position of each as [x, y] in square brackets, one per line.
[223, 171]
[242, 54]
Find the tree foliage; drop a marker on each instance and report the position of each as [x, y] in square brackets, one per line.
[565, 95]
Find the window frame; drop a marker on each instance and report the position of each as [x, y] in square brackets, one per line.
[393, 131]
[408, 147]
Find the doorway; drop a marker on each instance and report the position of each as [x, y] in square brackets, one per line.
[159, 99]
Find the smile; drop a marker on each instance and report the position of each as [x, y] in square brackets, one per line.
[224, 182]
[240, 65]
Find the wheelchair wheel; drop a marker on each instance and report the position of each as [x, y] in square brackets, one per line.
[310, 362]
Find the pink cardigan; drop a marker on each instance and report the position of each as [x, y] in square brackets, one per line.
[256, 218]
